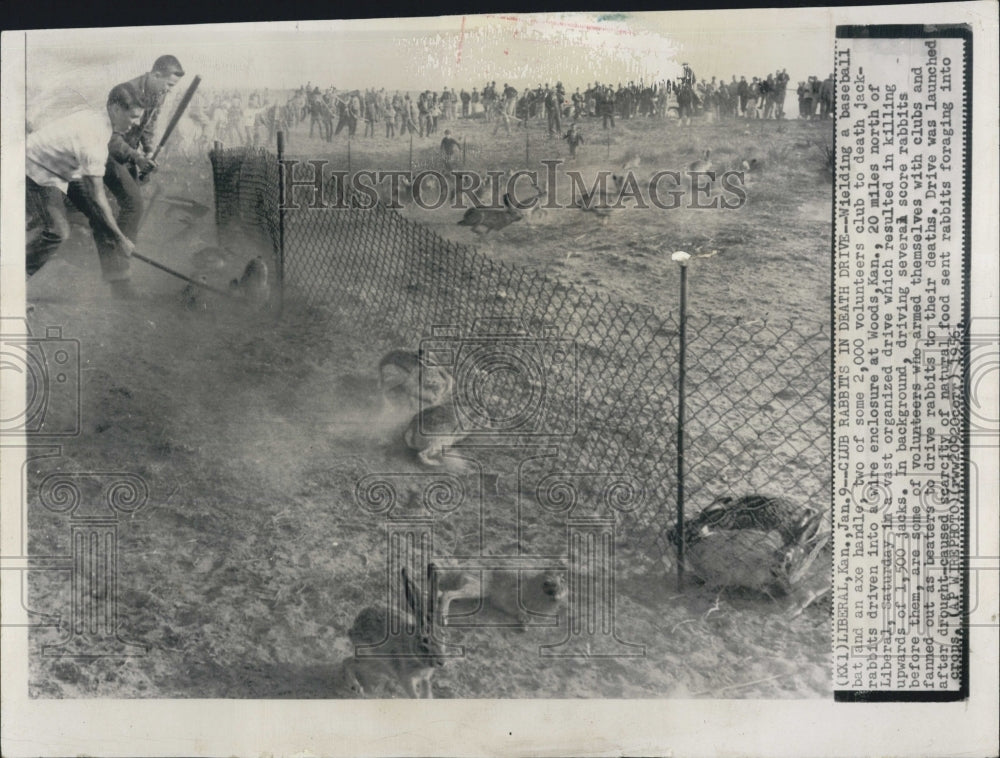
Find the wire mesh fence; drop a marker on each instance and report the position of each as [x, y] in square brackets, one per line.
[604, 387]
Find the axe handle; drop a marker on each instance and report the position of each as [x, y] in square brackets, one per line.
[179, 275]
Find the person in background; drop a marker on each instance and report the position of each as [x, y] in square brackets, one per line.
[449, 148]
[826, 98]
[573, 139]
[553, 108]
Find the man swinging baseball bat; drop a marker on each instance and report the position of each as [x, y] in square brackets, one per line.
[130, 155]
[174, 120]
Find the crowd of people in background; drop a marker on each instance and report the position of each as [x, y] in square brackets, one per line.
[330, 112]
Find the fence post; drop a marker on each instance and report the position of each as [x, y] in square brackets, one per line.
[681, 258]
[280, 273]
[218, 211]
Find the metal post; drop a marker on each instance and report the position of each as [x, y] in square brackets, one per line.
[681, 258]
[215, 190]
[280, 272]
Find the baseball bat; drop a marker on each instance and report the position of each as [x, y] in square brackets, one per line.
[175, 119]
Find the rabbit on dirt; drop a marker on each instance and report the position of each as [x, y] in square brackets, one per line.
[432, 432]
[253, 285]
[779, 563]
[410, 659]
[406, 378]
[514, 594]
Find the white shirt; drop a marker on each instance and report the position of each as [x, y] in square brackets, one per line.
[68, 148]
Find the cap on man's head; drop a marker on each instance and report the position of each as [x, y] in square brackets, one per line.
[168, 64]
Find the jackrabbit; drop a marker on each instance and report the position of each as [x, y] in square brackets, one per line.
[701, 165]
[761, 512]
[196, 298]
[211, 258]
[516, 594]
[252, 284]
[407, 376]
[432, 431]
[535, 212]
[807, 566]
[602, 201]
[485, 220]
[410, 658]
[772, 562]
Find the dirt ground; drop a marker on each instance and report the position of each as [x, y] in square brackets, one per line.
[246, 568]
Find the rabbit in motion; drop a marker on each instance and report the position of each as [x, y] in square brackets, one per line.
[602, 200]
[409, 377]
[432, 431]
[484, 220]
[702, 165]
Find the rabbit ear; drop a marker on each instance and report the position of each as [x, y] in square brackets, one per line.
[431, 591]
[413, 598]
[809, 525]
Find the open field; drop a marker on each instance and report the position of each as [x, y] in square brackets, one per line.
[247, 567]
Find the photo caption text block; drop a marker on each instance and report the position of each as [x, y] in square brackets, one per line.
[901, 253]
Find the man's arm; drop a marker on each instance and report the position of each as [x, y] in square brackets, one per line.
[149, 127]
[122, 151]
[95, 189]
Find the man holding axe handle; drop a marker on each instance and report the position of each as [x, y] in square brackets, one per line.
[130, 155]
[68, 158]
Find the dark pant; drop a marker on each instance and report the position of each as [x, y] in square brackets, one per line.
[48, 203]
[122, 184]
[555, 124]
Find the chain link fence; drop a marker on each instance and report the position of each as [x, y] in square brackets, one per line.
[758, 402]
